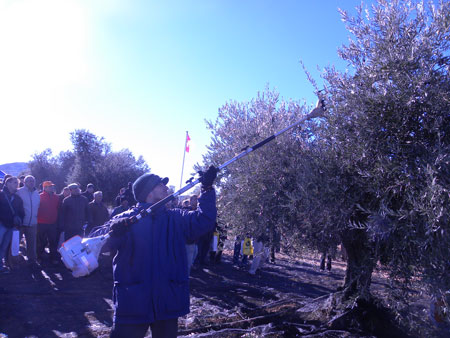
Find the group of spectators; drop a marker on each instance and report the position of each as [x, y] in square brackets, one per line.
[147, 269]
[207, 250]
[45, 218]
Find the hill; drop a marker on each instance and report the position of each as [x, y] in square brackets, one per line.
[15, 168]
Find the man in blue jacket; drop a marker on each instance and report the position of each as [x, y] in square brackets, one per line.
[11, 216]
[151, 281]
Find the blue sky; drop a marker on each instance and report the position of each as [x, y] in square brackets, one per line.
[142, 73]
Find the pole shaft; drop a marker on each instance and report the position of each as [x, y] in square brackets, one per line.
[237, 157]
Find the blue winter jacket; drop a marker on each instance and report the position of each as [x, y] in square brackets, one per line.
[150, 270]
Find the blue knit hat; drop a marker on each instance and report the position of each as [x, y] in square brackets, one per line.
[145, 184]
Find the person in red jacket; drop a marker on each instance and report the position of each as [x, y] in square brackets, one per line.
[47, 222]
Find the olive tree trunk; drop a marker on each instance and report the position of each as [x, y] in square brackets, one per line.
[360, 264]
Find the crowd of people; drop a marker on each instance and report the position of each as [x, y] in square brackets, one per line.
[45, 218]
[156, 253]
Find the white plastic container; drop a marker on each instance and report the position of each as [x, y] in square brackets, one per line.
[81, 255]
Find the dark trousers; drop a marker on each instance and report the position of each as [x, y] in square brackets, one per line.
[47, 234]
[212, 257]
[203, 248]
[322, 261]
[244, 259]
[218, 256]
[236, 257]
[160, 329]
[236, 253]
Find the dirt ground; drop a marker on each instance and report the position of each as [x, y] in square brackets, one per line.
[226, 301]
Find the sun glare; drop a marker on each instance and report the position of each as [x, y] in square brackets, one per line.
[44, 45]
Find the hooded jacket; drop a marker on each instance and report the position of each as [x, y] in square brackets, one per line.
[150, 270]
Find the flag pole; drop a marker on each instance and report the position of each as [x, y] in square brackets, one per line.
[184, 155]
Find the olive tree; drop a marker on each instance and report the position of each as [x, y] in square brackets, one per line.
[91, 161]
[375, 173]
[388, 128]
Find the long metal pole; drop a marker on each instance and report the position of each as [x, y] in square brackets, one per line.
[316, 112]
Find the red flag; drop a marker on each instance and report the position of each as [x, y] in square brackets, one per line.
[188, 139]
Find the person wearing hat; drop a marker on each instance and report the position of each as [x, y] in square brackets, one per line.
[128, 193]
[123, 206]
[75, 213]
[150, 269]
[98, 212]
[89, 193]
[47, 218]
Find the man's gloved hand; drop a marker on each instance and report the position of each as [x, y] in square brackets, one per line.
[207, 178]
[319, 111]
[118, 227]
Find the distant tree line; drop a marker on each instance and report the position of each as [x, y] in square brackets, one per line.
[90, 161]
[374, 174]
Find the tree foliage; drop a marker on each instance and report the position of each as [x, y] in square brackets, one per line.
[117, 169]
[254, 191]
[91, 161]
[44, 166]
[90, 152]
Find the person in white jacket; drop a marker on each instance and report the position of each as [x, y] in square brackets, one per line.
[31, 201]
[261, 253]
